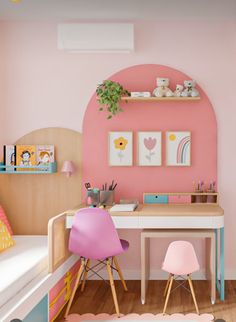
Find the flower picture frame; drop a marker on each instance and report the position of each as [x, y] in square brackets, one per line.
[120, 148]
[149, 148]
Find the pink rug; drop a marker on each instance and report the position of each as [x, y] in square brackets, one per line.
[192, 317]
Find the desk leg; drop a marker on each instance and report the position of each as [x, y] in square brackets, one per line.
[210, 266]
[222, 266]
[145, 266]
[216, 257]
[220, 283]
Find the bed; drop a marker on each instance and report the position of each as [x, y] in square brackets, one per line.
[21, 264]
[31, 268]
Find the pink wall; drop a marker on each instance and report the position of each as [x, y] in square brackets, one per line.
[197, 117]
[45, 87]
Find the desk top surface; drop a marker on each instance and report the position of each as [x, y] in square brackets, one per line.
[166, 210]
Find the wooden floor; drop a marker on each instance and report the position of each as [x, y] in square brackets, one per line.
[97, 298]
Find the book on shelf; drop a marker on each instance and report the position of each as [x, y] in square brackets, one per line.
[25, 156]
[9, 157]
[45, 154]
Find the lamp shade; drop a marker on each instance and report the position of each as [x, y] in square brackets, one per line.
[68, 167]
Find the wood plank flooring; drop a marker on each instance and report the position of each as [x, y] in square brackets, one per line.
[97, 298]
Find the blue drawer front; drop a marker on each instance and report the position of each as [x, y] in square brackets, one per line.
[39, 312]
[155, 199]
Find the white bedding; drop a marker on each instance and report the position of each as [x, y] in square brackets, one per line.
[20, 264]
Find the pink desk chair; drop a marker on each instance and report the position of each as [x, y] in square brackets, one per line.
[93, 236]
[180, 260]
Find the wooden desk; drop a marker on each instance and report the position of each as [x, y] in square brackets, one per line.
[170, 216]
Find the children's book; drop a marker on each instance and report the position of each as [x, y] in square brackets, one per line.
[26, 156]
[9, 157]
[45, 154]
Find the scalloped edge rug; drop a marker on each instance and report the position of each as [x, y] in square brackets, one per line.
[191, 317]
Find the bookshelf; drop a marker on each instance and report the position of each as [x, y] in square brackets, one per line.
[32, 169]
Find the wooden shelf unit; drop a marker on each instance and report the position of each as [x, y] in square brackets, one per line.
[182, 197]
[157, 99]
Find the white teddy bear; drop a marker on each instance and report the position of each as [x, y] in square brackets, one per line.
[178, 90]
[189, 89]
[162, 89]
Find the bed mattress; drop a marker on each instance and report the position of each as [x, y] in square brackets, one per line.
[20, 264]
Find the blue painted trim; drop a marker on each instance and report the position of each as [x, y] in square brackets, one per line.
[222, 264]
[216, 259]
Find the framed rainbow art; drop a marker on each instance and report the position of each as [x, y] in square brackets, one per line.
[178, 148]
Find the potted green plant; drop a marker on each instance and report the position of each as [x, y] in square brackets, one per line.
[109, 97]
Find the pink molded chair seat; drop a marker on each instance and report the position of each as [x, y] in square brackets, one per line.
[93, 236]
[180, 259]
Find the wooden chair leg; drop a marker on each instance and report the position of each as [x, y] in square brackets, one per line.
[193, 294]
[75, 287]
[120, 273]
[85, 275]
[168, 293]
[167, 285]
[113, 290]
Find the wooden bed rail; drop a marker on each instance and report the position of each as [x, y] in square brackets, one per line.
[58, 238]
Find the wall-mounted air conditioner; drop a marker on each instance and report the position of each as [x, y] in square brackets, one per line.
[96, 37]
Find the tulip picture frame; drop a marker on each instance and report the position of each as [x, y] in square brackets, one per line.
[149, 149]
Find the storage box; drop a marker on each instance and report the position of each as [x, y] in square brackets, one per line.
[178, 199]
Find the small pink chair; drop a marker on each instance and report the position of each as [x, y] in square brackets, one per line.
[93, 236]
[180, 260]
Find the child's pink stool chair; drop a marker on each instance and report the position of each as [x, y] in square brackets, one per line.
[93, 236]
[180, 260]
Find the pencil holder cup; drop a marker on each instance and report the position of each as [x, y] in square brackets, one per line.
[107, 197]
[198, 198]
[211, 198]
[92, 197]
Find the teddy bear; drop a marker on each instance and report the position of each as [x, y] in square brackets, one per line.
[189, 89]
[162, 89]
[178, 90]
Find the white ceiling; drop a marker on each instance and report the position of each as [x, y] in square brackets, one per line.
[116, 9]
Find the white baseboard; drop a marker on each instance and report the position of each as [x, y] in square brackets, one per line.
[158, 274]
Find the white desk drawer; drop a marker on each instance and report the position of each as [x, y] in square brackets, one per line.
[126, 222]
[181, 222]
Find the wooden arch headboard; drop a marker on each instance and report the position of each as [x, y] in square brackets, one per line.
[30, 200]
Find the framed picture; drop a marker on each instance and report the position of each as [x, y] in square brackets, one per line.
[120, 148]
[149, 149]
[178, 148]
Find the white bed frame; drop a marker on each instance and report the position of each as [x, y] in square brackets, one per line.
[60, 261]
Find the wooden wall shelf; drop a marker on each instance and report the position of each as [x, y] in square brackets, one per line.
[156, 99]
[33, 169]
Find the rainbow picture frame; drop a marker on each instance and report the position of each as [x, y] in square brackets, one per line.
[178, 148]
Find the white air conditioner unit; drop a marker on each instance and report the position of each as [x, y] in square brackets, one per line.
[96, 37]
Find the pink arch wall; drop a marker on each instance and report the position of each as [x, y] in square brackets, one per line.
[197, 117]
